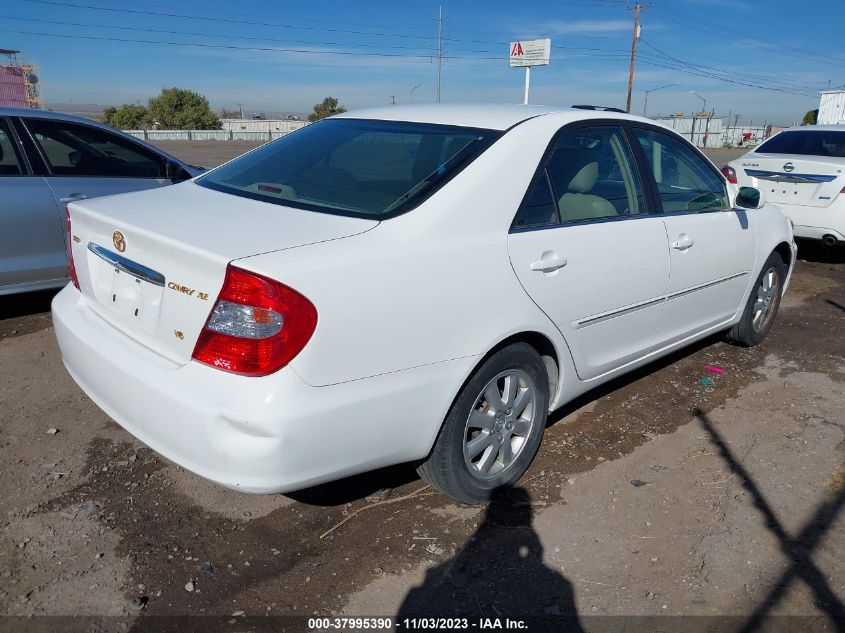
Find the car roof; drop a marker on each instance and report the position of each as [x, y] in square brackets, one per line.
[805, 128]
[62, 116]
[489, 116]
[47, 114]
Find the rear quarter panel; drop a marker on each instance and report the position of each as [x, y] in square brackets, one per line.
[432, 285]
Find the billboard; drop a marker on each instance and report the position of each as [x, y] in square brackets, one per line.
[12, 87]
[530, 53]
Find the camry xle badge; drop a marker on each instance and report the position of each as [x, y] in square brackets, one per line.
[789, 167]
[119, 241]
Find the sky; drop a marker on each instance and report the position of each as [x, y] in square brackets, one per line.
[765, 61]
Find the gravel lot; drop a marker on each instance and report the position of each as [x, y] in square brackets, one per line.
[656, 495]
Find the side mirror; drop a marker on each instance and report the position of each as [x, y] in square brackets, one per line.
[750, 198]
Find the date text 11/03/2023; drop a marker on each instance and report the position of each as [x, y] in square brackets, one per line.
[416, 624]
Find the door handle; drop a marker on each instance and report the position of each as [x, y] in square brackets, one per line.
[74, 197]
[547, 264]
[683, 243]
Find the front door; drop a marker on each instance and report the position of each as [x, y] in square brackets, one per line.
[711, 245]
[590, 252]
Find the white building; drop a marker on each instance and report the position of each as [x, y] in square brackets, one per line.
[262, 125]
[832, 107]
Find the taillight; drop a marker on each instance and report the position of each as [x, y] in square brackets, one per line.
[729, 173]
[71, 266]
[257, 326]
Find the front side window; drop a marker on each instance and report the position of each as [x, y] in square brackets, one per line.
[362, 168]
[806, 143]
[685, 182]
[80, 150]
[10, 163]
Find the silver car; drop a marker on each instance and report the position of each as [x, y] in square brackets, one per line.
[48, 159]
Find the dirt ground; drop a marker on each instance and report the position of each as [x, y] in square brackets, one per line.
[656, 495]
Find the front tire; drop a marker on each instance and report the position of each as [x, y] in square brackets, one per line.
[763, 303]
[494, 428]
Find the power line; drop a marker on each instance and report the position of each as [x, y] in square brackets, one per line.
[784, 83]
[669, 66]
[707, 71]
[219, 46]
[225, 36]
[698, 24]
[183, 16]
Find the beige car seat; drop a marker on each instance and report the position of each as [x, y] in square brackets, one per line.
[577, 203]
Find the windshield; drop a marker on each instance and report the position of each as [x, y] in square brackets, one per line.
[806, 143]
[363, 168]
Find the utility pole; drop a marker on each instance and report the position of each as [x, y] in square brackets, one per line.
[637, 8]
[393, 100]
[439, 49]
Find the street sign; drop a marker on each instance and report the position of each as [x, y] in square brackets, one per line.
[530, 53]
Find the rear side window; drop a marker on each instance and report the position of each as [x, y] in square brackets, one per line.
[806, 143]
[590, 175]
[363, 168]
[10, 164]
[539, 206]
[80, 150]
[685, 181]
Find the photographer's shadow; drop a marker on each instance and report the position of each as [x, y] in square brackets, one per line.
[499, 573]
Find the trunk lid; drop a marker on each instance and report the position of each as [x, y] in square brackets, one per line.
[793, 179]
[152, 263]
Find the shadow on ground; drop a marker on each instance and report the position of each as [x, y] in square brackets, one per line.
[499, 573]
[816, 251]
[797, 549]
[25, 313]
[26, 303]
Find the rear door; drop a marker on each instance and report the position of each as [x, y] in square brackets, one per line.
[711, 245]
[87, 162]
[32, 246]
[589, 249]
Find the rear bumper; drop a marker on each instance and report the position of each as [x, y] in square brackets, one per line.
[817, 233]
[816, 222]
[259, 435]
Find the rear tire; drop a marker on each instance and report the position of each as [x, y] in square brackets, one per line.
[763, 303]
[494, 428]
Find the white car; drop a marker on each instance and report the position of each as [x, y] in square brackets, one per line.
[802, 170]
[408, 284]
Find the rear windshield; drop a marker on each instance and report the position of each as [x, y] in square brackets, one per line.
[806, 143]
[363, 168]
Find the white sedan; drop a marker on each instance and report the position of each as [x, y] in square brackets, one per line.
[802, 170]
[408, 284]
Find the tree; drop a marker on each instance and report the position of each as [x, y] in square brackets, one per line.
[328, 107]
[811, 117]
[181, 109]
[230, 114]
[126, 117]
